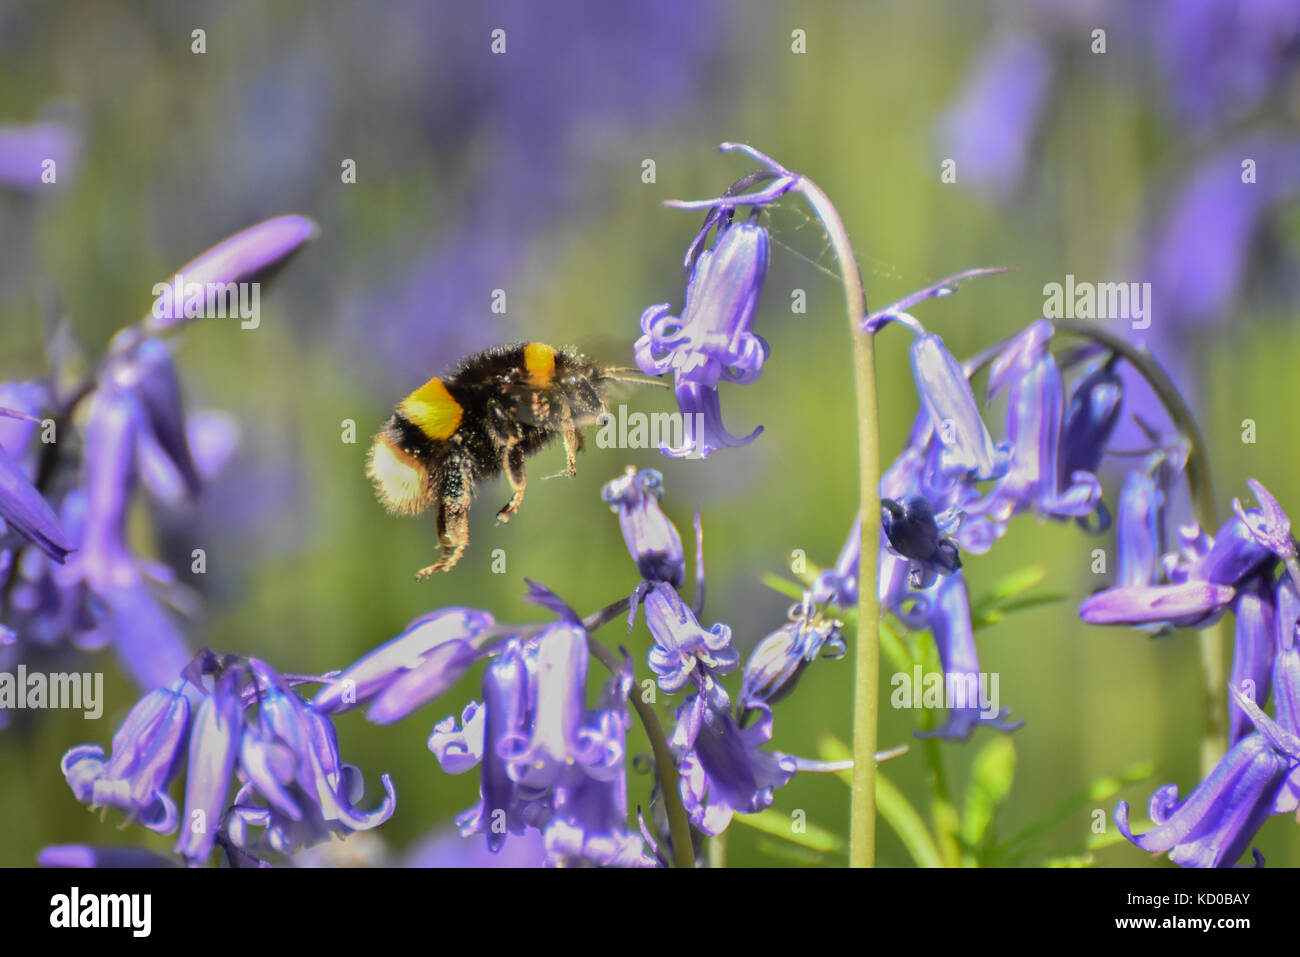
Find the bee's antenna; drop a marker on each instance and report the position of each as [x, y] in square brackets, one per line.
[633, 376]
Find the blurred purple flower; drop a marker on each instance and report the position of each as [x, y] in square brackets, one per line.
[24, 151]
[989, 128]
[684, 650]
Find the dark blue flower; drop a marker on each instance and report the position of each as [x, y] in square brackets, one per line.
[914, 532]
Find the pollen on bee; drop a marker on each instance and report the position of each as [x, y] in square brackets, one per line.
[402, 485]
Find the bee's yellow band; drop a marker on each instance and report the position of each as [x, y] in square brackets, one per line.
[432, 410]
[539, 360]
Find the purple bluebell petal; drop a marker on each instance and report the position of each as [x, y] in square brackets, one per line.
[1252, 658]
[460, 749]
[954, 637]
[88, 855]
[507, 712]
[989, 129]
[1090, 421]
[704, 431]
[444, 637]
[1138, 530]
[253, 255]
[779, 659]
[151, 378]
[723, 770]
[1186, 605]
[946, 395]
[148, 751]
[651, 538]
[24, 509]
[1215, 825]
[149, 644]
[214, 747]
[1269, 526]
[682, 645]
[536, 761]
[25, 149]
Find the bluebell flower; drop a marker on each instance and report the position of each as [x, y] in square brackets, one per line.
[780, 658]
[213, 752]
[92, 856]
[589, 825]
[1215, 825]
[683, 649]
[548, 763]
[1286, 681]
[1090, 420]
[651, 538]
[251, 255]
[1139, 530]
[1191, 604]
[297, 790]
[713, 341]
[723, 770]
[914, 532]
[989, 128]
[1252, 658]
[24, 148]
[148, 752]
[23, 509]
[1269, 526]
[954, 637]
[430, 655]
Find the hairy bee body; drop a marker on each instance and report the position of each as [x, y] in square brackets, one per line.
[493, 411]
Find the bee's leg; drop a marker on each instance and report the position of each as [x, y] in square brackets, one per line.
[512, 463]
[455, 491]
[573, 443]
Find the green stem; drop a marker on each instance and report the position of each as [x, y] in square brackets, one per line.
[679, 824]
[1213, 643]
[866, 672]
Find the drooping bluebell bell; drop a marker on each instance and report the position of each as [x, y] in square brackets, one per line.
[914, 532]
[548, 762]
[780, 658]
[713, 340]
[1215, 825]
[1286, 680]
[651, 538]
[23, 509]
[212, 756]
[684, 650]
[1090, 419]
[1139, 530]
[1253, 650]
[949, 620]
[430, 655]
[723, 769]
[297, 789]
[148, 752]
[251, 255]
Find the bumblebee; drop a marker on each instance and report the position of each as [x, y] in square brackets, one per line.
[493, 411]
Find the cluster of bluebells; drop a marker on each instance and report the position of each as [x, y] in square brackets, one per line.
[228, 722]
[75, 455]
[1247, 568]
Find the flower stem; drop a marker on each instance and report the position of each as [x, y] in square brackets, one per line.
[679, 824]
[866, 672]
[1213, 671]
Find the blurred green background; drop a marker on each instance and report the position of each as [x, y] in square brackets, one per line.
[524, 172]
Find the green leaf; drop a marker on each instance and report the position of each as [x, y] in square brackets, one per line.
[992, 773]
[789, 852]
[1016, 848]
[783, 586]
[893, 806]
[778, 824]
[1007, 594]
